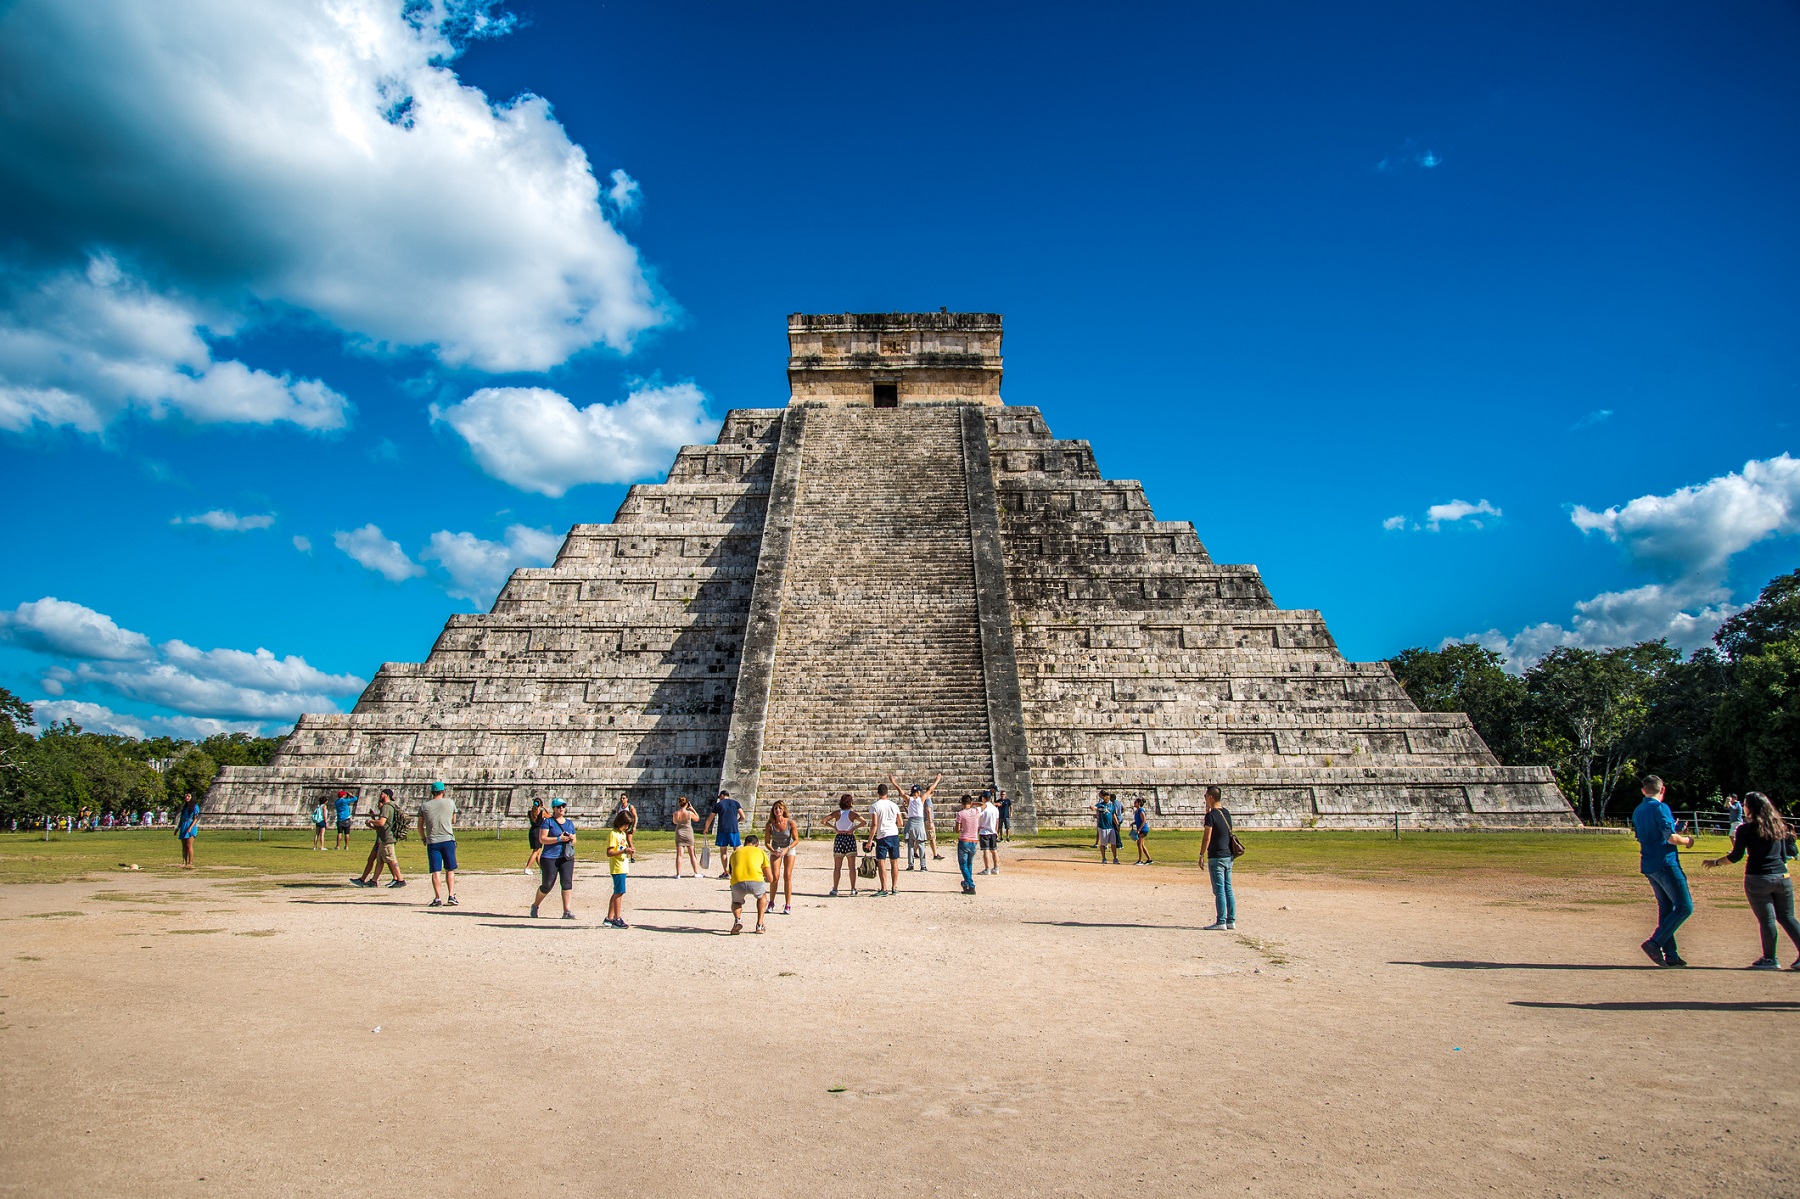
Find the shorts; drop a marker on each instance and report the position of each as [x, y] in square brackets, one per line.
[1109, 837]
[844, 844]
[619, 882]
[440, 855]
[990, 840]
[723, 840]
[887, 849]
[741, 892]
[318, 826]
[915, 830]
[343, 826]
[554, 869]
[384, 852]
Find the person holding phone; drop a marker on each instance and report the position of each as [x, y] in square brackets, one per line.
[1659, 838]
[556, 837]
[1215, 855]
[1764, 842]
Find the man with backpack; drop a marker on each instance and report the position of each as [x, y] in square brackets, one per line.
[389, 823]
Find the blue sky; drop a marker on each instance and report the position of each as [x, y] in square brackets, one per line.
[1456, 320]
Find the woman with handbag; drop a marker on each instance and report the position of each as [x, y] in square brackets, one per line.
[1216, 845]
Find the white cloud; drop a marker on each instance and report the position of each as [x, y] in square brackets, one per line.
[1597, 416]
[222, 163]
[370, 548]
[536, 440]
[478, 568]
[1439, 515]
[1689, 537]
[212, 685]
[98, 718]
[1410, 156]
[303, 544]
[80, 348]
[64, 629]
[624, 194]
[226, 522]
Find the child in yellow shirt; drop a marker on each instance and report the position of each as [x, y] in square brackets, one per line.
[618, 861]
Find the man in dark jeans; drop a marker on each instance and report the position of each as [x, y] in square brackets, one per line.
[1658, 838]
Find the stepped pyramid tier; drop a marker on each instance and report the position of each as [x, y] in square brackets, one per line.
[896, 573]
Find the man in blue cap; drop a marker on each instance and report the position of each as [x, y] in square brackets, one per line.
[437, 830]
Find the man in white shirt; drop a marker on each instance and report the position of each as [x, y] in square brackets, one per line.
[920, 827]
[990, 834]
[884, 825]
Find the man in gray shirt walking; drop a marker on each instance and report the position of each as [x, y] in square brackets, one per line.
[439, 834]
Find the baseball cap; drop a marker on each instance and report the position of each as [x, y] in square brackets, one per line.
[559, 803]
[724, 794]
[916, 788]
[437, 786]
[341, 794]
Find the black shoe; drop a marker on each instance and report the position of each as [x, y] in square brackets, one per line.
[399, 882]
[357, 882]
[1674, 959]
[1653, 951]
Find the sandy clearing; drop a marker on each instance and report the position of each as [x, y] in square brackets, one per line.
[1068, 1031]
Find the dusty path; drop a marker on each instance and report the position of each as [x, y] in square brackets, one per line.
[1070, 1031]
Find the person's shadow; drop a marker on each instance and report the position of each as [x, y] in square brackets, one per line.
[1671, 1005]
[1635, 967]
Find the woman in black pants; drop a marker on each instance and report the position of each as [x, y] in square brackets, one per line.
[1764, 843]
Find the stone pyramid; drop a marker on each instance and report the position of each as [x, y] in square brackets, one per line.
[896, 574]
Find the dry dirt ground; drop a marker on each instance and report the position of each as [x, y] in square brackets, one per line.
[1068, 1031]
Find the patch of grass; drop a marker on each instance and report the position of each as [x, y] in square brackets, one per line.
[55, 915]
[193, 932]
[1271, 950]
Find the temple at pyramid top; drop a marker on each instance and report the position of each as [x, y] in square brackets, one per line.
[889, 359]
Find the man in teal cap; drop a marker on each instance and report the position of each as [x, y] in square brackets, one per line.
[438, 832]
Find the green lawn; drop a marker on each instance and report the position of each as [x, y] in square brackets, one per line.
[28, 857]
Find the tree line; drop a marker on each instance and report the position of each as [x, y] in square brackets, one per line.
[1724, 720]
[65, 769]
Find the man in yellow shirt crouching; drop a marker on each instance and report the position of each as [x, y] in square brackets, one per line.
[750, 876]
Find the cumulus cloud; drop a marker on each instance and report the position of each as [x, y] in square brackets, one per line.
[227, 522]
[1688, 537]
[1439, 515]
[303, 544]
[98, 718]
[624, 194]
[79, 348]
[478, 568]
[369, 547]
[93, 653]
[237, 161]
[536, 440]
[58, 627]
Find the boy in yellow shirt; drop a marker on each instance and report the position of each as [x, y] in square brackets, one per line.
[618, 861]
[750, 876]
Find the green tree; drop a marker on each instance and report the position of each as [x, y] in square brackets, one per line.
[1677, 741]
[1757, 727]
[1468, 678]
[71, 769]
[16, 746]
[192, 771]
[1775, 616]
[1598, 703]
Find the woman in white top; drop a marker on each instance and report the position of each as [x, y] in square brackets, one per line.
[843, 843]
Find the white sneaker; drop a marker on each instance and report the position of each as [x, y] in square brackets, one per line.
[1230, 924]
[1214, 927]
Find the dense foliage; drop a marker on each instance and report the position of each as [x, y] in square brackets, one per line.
[1723, 720]
[66, 770]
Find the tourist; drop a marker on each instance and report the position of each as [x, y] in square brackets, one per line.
[1734, 815]
[884, 831]
[1140, 831]
[968, 835]
[1106, 825]
[990, 836]
[1003, 801]
[780, 837]
[624, 807]
[1765, 842]
[723, 824]
[535, 820]
[1215, 855]
[385, 820]
[318, 823]
[187, 827]
[556, 837]
[843, 843]
[920, 821]
[618, 865]
[1658, 836]
[750, 879]
[346, 813]
[437, 816]
[684, 818]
